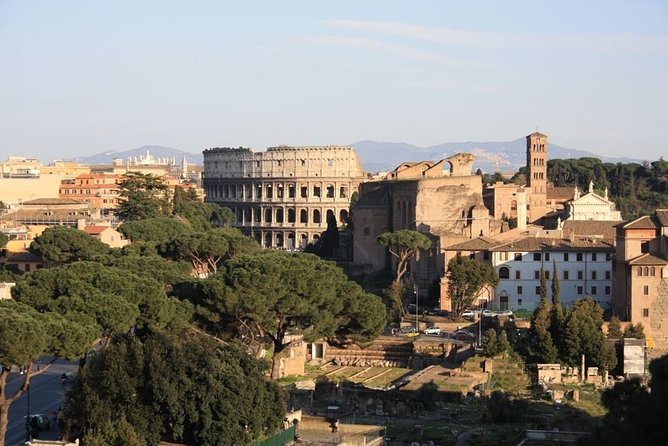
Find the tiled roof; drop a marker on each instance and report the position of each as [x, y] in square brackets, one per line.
[606, 228]
[51, 202]
[648, 259]
[538, 134]
[662, 216]
[95, 230]
[476, 244]
[564, 193]
[645, 222]
[531, 244]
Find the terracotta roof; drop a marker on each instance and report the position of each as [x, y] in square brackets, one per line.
[553, 244]
[95, 230]
[606, 228]
[648, 259]
[564, 193]
[537, 134]
[662, 216]
[51, 202]
[645, 222]
[476, 244]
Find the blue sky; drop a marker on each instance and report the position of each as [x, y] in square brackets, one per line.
[82, 77]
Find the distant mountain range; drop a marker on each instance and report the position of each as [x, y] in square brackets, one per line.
[383, 156]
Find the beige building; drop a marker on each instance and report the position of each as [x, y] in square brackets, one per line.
[285, 196]
[641, 276]
[107, 235]
[99, 190]
[440, 199]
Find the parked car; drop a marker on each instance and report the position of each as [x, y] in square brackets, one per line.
[470, 313]
[408, 329]
[491, 313]
[463, 335]
[433, 331]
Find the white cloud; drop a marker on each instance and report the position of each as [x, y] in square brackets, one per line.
[453, 37]
[395, 49]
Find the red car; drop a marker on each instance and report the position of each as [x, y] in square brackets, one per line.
[463, 335]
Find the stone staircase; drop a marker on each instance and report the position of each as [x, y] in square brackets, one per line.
[386, 351]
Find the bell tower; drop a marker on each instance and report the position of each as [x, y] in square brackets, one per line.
[537, 175]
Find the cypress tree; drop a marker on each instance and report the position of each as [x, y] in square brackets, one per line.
[557, 313]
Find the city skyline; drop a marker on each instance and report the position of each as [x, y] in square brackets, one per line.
[84, 78]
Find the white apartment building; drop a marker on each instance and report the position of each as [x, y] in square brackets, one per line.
[583, 267]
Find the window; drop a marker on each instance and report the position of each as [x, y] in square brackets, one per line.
[593, 256]
[645, 290]
[565, 257]
[645, 312]
[367, 231]
[518, 256]
[518, 275]
[608, 256]
[538, 291]
[537, 256]
[607, 290]
[519, 301]
[580, 289]
[580, 275]
[640, 271]
[607, 275]
[304, 190]
[578, 257]
[330, 191]
[485, 255]
[565, 275]
[316, 191]
[519, 290]
[644, 247]
[536, 275]
[593, 275]
[594, 290]
[547, 275]
[504, 272]
[547, 256]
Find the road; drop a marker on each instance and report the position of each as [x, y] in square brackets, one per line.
[46, 395]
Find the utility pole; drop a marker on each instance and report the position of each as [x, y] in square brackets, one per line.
[417, 309]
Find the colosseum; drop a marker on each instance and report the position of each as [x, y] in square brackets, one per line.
[285, 196]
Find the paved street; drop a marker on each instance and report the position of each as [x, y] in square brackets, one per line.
[46, 395]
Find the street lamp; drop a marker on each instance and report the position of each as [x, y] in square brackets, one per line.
[417, 308]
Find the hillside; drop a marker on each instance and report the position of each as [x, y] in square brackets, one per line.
[382, 156]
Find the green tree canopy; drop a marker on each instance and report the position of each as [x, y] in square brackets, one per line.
[143, 196]
[114, 297]
[156, 230]
[636, 331]
[201, 216]
[3, 239]
[187, 389]
[62, 244]
[273, 294]
[25, 335]
[467, 279]
[403, 245]
[614, 328]
[584, 335]
[206, 251]
[636, 413]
